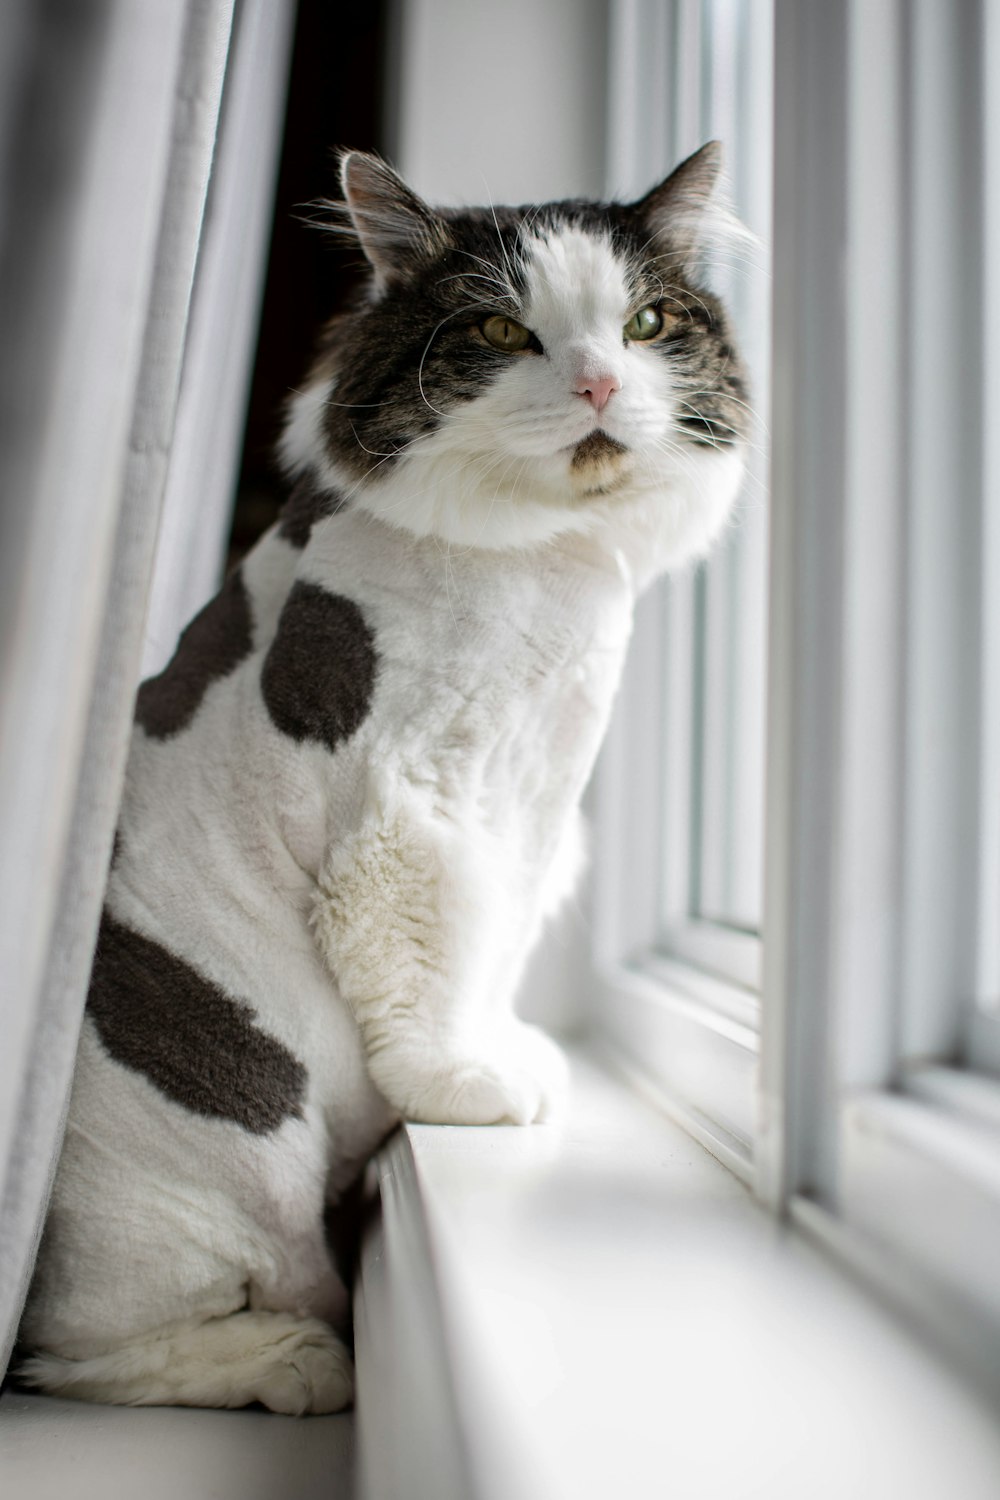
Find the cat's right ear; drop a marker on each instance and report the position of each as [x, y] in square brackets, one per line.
[396, 230]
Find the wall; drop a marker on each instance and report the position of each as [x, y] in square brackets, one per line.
[501, 101]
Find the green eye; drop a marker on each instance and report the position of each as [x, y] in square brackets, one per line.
[645, 324]
[504, 333]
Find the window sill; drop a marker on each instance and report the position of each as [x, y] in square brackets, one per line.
[600, 1307]
[52, 1449]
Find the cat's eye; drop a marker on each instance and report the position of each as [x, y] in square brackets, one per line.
[645, 324]
[503, 333]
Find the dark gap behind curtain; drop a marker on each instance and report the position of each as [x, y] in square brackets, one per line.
[335, 98]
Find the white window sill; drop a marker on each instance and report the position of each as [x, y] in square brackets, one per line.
[52, 1449]
[601, 1308]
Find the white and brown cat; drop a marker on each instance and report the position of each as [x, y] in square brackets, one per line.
[352, 796]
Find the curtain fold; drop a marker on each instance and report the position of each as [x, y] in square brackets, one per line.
[109, 153]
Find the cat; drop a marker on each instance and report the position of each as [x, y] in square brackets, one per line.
[352, 795]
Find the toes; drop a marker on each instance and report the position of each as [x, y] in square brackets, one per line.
[313, 1374]
[490, 1098]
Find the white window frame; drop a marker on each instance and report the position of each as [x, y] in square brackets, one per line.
[870, 1108]
[880, 1118]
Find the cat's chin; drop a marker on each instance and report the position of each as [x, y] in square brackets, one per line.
[599, 465]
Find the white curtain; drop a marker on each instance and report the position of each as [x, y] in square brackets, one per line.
[137, 154]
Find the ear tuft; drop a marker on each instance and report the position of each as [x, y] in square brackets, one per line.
[680, 210]
[396, 229]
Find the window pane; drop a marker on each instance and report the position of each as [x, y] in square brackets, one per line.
[713, 866]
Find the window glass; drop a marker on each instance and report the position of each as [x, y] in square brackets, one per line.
[716, 700]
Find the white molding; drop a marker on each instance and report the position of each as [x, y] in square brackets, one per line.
[962, 1094]
[717, 948]
[733, 1151]
[667, 1026]
[923, 1180]
[952, 1326]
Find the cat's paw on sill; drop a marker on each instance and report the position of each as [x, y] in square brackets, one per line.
[521, 1079]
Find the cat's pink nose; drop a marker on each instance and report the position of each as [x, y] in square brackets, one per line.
[597, 392]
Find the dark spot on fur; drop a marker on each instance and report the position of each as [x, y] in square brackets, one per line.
[319, 675]
[212, 646]
[196, 1044]
[305, 506]
[596, 447]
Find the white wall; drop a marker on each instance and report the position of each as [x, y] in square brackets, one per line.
[501, 99]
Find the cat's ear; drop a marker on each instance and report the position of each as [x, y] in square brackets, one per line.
[396, 229]
[681, 212]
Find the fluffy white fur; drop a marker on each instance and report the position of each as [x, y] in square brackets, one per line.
[374, 905]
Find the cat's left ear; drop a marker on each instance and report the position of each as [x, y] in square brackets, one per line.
[679, 212]
[396, 229]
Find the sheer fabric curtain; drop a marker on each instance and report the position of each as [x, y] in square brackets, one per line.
[137, 150]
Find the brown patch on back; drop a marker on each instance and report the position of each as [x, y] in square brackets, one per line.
[305, 506]
[212, 646]
[319, 675]
[597, 448]
[158, 1016]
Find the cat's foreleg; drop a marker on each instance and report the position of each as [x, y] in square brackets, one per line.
[414, 919]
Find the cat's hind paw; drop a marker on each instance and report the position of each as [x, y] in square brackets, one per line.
[290, 1365]
[309, 1371]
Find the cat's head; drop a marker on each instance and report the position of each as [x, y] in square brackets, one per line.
[517, 373]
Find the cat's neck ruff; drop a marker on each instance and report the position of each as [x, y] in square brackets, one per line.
[655, 526]
[563, 579]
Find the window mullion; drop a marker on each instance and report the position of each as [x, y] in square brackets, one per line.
[810, 353]
[835, 725]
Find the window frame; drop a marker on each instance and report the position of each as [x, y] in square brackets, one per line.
[873, 1091]
[880, 1120]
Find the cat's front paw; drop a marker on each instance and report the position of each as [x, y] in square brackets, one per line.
[522, 1078]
